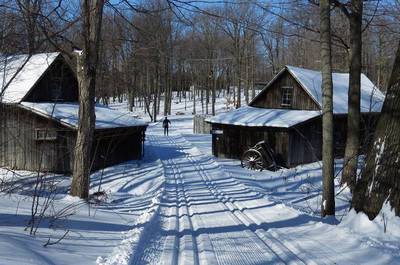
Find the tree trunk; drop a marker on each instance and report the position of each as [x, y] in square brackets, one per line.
[148, 94]
[349, 174]
[208, 88]
[328, 198]
[253, 67]
[87, 61]
[238, 82]
[132, 86]
[247, 74]
[202, 98]
[155, 98]
[380, 178]
[194, 98]
[214, 88]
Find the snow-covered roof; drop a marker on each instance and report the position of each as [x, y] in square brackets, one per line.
[371, 97]
[19, 73]
[260, 117]
[67, 114]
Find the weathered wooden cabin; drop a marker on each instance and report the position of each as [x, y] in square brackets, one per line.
[287, 115]
[39, 118]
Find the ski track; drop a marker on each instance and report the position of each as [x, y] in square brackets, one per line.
[207, 217]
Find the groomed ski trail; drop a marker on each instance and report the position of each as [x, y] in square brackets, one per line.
[207, 217]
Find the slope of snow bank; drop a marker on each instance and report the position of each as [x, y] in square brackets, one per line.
[386, 226]
[106, 227]
[121, 255]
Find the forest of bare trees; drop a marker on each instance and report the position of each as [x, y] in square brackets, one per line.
[150, 48]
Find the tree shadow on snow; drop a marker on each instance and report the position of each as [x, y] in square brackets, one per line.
[21, 220]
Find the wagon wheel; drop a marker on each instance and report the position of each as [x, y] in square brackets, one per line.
[252, 159]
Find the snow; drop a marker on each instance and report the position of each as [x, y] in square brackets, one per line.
[259, 117]
[122, 253]
[383, 229]
[19, 73]
[220, 218]
[67, 113]
[132, 188]
[181, 205]
[371, 97]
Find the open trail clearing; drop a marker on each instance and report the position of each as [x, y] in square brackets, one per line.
[181, 205]
[208, 217]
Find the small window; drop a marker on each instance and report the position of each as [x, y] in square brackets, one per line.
[45, 135]
[287, 96]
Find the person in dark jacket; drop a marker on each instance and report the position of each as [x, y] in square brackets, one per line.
[166, 124]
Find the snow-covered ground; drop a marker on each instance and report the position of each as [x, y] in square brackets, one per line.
[95, 230]
[180, 205]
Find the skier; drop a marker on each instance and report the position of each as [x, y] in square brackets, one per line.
[166, 124]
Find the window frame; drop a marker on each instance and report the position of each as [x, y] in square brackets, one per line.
[45, 134]
[285, 96]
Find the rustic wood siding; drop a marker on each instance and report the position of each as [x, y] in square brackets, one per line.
[305, 143]
[20, 150]
[117, 145]
[272, 96]
[306, 139]
[235, 140]
[298, 145]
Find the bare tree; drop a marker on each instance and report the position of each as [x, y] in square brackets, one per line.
[354, 14]
[29, 10]
[234, 28]
[87, 62]
[328, 198]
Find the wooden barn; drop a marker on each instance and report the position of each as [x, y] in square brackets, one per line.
[287, 115]
[39, 117]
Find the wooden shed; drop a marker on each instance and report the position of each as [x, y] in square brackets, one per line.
[39, 118]
[287, 115]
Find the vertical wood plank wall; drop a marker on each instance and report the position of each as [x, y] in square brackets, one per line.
[297, 145]
[235, 140]
[20, 150]
[272, 96]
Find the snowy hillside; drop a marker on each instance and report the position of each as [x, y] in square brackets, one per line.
[180, 205]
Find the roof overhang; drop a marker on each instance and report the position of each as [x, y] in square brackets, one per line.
[259, 117]
[29, 64]
[66, 114]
